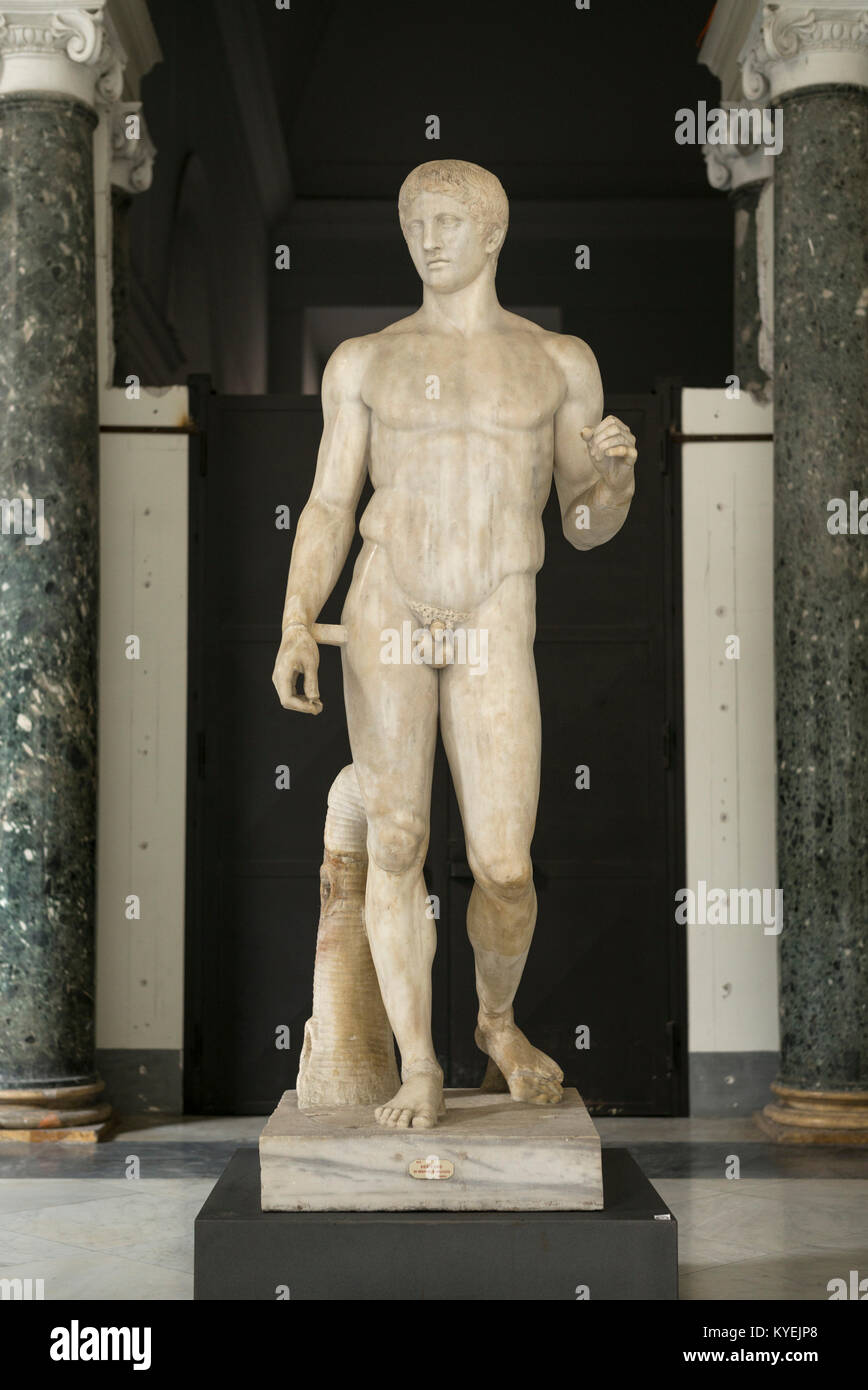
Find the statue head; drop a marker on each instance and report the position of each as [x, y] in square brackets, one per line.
[454, 217]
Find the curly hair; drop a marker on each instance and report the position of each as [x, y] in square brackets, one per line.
[480, 192]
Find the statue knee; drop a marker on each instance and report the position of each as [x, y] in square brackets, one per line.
[507, 876]
[397, 844]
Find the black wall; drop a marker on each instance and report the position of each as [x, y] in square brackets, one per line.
[573, 109]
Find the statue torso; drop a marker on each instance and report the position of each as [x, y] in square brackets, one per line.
[460, 458]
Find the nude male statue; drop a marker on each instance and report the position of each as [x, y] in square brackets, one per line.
[462, 413]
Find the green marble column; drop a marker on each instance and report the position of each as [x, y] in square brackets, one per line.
[821, 615]
[48, 614]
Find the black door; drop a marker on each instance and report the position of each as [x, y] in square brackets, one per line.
[603, 990]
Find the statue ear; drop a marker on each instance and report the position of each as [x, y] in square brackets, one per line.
[495, 239]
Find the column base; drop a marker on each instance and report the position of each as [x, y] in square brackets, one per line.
[815, 1117]
[55, 1114]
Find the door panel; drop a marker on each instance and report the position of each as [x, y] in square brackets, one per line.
[254, 850]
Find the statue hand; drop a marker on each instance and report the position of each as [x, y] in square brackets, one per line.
[298, 656]
[612, 449]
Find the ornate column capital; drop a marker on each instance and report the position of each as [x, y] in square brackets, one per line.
[76, 51]
[794, 45]
[65, 50]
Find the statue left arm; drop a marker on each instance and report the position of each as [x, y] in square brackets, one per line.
[593, 458]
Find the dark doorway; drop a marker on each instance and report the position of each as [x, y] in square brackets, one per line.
[607, 956]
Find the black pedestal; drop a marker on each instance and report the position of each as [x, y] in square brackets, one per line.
[627, 1251]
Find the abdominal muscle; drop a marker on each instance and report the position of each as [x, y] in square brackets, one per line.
[452, 563]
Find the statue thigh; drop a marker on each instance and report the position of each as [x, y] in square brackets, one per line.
[491, 732]
[391, 718]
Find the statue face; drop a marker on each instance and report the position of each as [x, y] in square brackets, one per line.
[449, 247]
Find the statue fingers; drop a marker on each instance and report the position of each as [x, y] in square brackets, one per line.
[613, 434]
[607, 427]
[284, 681]
[303, 706]
[311, 680]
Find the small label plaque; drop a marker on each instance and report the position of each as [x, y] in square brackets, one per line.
[431, 1167]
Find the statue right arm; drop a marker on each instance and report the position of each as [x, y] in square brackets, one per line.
[326, 525]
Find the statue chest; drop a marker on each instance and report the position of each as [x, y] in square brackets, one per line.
[482, 385]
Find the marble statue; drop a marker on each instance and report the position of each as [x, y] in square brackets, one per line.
[462, 414]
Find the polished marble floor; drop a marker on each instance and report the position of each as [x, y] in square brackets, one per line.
[115, 1220]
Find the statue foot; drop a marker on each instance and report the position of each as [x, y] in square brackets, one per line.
[417, 1105]
[529, 1074]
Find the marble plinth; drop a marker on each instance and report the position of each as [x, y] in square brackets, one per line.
[489, 1153]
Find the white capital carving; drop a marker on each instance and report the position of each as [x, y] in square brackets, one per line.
[792, 46]
[52, 47]
[83, 28]
[732, 166]
[132, 164]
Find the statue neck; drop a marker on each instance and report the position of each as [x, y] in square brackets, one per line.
[475, 309]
